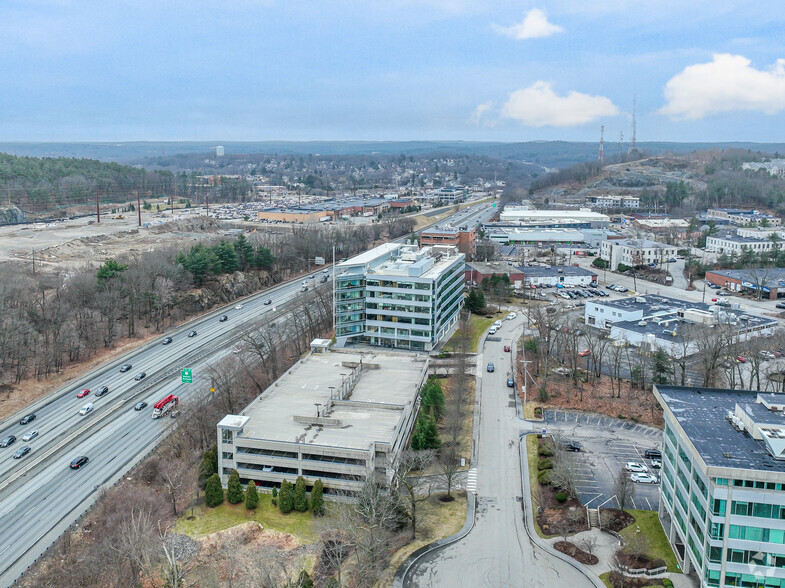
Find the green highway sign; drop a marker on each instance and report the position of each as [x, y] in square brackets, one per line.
[187, 376]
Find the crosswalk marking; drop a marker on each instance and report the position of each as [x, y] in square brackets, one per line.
[471, 480]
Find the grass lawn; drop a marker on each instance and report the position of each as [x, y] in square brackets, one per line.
[604, 577]
[208, 520]
[659, 548]
[436, 520]
[534, 485]
[477, 326]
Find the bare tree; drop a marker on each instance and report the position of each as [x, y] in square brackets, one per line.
[624, 488]
[409, 463]
[563, 475]
[588, 543]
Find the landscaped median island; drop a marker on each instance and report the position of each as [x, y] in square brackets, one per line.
[561, 520]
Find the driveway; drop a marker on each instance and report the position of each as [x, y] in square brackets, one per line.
[608, 443]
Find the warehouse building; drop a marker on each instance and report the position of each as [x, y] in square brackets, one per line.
[769, 279]
[336, 415]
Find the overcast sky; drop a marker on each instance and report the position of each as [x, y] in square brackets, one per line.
[492, 70]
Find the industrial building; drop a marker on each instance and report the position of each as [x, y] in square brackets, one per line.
[580, 218]
[336, 415]
[397, 295]
[770, 279]
[541, 237]
[633, 252]
[722, 488]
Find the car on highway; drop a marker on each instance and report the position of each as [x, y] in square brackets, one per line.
[140, 376]
[510, 383]
[643, 478]
[490, 367]
[634, 466]
[30, 435]
[238, 307]
[86, 409]
[126, 367]
[21, 452]
[166, 341]
[192, 333]
[268, 301]
[78, 462]
[140, 405]
[101, 391]
[83, 393]
[222, 318]
[8, 441]
[27, 419]
[507, 348]
[652, 454]
[585, 353]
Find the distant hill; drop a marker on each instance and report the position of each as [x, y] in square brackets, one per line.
[546, 153]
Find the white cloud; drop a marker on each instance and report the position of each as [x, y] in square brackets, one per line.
[477, 115]
[724, 84]
[534, 25]
[539, 106]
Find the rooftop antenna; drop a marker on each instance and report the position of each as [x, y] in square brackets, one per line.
[632, 141]
[601, 153]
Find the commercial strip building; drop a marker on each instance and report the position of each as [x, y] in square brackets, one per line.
[722, 488]
[770, 279]
[633, 252]
[398, 295]
[329, 209]
[736, 216]
[654, 321]
[537, 276]
[336, 415]
[581, 218]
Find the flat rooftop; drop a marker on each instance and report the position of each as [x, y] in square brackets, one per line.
[766, 276]
[556, 270]
[701, 413]
[388, 382]
[371, 255]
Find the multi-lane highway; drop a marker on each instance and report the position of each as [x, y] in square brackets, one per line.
[41, 496]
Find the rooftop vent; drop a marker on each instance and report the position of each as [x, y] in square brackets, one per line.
[642, 323]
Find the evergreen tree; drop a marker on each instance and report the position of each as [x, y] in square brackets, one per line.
[475, 301]
[274, 499]
[214, 493]
[208, 466]
[245, 253]
[251, 496]
[432, 397]
[227, 257]
[304, 580]
[234, 489]
[264, 258]
[300, 498]
[431, 433]
[317, 498]
[418, 434]
[286, 497]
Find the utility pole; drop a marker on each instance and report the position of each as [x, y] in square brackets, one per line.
[138, 208]
[97, 207]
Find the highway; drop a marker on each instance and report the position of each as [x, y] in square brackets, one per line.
[40, 496]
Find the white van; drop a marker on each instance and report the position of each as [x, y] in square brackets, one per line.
[86, 409]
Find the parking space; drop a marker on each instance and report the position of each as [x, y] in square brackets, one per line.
[607, 445]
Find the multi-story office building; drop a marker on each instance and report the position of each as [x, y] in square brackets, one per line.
[722, 489]
[634, 252]
[338, 416]
[397, 295]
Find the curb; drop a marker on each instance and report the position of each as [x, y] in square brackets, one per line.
[401, 574]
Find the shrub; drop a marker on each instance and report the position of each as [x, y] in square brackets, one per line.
[299, 498]
[545, 464]
[545, 450]
[317, 498]
[544, 477]
[274, 499]
[251, 496]
[286, 497]
[304, 580]
[234, 490]
[561, 497]
[666, 582]
[213, 492]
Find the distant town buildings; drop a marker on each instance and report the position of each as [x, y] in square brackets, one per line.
[743, 217]
[582, 218]
[613, 201]
[398, 295]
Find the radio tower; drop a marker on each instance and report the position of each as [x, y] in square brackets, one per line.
[601, 153]
[632, 141]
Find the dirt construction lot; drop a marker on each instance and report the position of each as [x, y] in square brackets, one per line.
[608, 443]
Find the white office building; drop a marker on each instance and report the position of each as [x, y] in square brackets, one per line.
[397, 295]
[735, 244]
[632, 252]
[614, 201]
[722, 488]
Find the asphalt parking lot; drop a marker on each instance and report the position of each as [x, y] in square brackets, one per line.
[608, 443]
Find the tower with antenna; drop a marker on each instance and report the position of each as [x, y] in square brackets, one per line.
[632, 141]
[601, 153]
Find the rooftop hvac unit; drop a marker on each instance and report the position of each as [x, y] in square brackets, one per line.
[642, 323]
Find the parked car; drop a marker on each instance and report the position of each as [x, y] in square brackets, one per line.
[766, 354]
[101, 391]
[511, 316]
[656, 464]
[643, 478]
[572, 446]
[585, 352]
[125, 367]
[653, 454]
[21, 452]
[490, 367]
[740, 359]
[27, 419]
[510, 383]
[780, 305]
[507, 348]
[140, 376]
[166, 341]
[634, 466]
[492, 330]
[83, 393]
[30, 435]
[78, 462]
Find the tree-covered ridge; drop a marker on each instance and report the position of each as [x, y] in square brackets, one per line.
[53, 169]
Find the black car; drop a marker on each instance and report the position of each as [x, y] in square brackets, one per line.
[140, 376]
[223, 318]
[510, 383]
[780, 305]
[192, 333]
[8, 441]
[125, 367]
[653, 454]
[572, 446]
[140, 405]
[27, 419]
[166, 341]
[78, 462]
[21, 452]
[101, 391]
